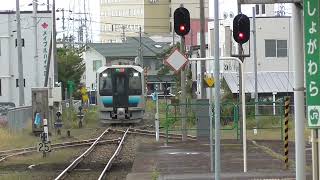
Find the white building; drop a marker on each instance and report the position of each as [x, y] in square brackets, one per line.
[33, 71]
[273, 49]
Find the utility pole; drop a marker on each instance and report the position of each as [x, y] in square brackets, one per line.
[123, 35]
[183, 94]
[217, 91]
[54, 43]
[140, 47]
[173, 34]
[299, 110]
[254, 32]
[48, 7]
[48, 65]
[20, 63]
[36, 61]
[85, 19]
[202, 49]
[63, 28]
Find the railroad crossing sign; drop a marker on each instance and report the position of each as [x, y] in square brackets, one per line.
[176, 60]
[312, 61]
[209, 81]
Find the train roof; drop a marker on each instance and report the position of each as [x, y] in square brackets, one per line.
[103, 68]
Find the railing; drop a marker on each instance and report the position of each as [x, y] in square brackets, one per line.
[269, 117]
[229, 120]
[18, 118]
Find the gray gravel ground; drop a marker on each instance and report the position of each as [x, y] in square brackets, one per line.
[95, 162]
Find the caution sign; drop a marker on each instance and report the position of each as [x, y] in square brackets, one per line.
[209, 81]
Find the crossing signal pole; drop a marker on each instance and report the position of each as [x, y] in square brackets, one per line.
[182, 28]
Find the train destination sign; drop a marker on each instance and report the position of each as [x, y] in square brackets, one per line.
[312, 61]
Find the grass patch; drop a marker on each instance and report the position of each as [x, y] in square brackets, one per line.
[16, 140]
[25, 137]
[56, 156]
[70, 119]
[155, 174]
[27, 175]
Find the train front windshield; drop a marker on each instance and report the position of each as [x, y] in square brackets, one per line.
[135, 85]
[114, 80]
[105, 83]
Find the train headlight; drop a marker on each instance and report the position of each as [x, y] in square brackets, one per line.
[136, 74]
[104, 75]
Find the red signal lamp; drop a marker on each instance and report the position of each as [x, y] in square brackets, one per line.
[182, 28]
[241, 36]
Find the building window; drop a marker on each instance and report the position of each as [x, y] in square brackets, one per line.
[282, 49]
[257, 9]
[276, 48]
[96, 64]
[263, 9]
[22, 42]
[17, 82]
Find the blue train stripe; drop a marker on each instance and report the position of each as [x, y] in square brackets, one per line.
[134, 99]
[107, 99]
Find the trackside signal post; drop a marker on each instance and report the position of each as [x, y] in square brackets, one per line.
[241, 34]
[182, 28]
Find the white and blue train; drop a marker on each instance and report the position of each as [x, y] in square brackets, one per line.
[120, 94]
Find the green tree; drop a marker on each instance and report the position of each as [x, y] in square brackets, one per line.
[70, 66]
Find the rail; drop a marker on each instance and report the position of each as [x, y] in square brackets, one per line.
[81, 157]
[113, 156]
[161, 134]
[5, 154]
[24, 151]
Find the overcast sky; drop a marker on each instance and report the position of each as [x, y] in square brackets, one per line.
[73, 5]
[226, 6]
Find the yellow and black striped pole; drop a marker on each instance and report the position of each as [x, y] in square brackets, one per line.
[286, 131]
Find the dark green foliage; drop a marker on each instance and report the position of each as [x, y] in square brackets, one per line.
[70, 66]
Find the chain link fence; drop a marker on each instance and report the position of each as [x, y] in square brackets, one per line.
[18, 118]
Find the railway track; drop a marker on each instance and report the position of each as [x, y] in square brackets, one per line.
[161, 134]
[79, 159]
[4, 155]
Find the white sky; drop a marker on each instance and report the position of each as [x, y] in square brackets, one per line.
[231, 5]
[224, 6]
[72, 5]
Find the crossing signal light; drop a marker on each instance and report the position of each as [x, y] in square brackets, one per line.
[181, 21]
[241, 28]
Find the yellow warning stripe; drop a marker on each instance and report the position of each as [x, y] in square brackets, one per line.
[286, 132]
